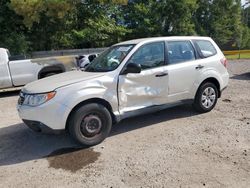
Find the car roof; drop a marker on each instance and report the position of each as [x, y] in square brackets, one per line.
[152, 39]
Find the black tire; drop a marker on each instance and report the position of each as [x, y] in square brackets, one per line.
[199, 103]
[85, 118]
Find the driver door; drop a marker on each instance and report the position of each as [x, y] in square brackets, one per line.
[148, 88]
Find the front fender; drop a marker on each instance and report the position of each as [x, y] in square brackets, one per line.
[75, 94]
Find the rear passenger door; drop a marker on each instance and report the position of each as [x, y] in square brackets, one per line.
[183, 69]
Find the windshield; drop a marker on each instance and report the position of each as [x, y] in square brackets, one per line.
[110, 59]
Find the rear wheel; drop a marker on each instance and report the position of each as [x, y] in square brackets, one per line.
[90, 124]
[206, 97]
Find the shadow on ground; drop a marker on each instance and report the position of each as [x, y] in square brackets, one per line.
[245, 76]
[9, 94]
[19, 144]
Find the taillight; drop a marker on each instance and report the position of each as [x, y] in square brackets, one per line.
[224, 62]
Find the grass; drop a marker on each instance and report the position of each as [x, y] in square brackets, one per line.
[236, 56]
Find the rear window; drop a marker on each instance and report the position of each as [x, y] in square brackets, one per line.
[180, 51]
[206, 48]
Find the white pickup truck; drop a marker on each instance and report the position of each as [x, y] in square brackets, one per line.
[17, 73]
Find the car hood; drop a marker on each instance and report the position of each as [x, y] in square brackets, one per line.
[51, 83]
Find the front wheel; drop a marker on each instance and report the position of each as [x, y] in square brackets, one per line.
[206, 97]
[90, 124]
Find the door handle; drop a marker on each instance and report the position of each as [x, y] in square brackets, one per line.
[199, 67]
[162, 74]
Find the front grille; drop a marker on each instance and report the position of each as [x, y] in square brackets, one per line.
[21, 98]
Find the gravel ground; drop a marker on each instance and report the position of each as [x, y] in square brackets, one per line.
[172, 148]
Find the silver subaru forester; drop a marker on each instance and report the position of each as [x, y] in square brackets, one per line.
[130, 78]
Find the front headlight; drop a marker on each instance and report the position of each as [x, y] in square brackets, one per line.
[37, 99]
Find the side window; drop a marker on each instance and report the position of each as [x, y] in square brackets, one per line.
[180, 51]
[206, 48]
[149, 56]
[91, 58]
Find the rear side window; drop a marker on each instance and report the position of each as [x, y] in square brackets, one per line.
[206, 48]
[180, 51]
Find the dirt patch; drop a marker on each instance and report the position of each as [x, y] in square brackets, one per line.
[72, 159]
[176, 147]
[245, 119]
[227, 100]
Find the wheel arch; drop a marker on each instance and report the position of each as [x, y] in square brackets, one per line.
[214, 81]
[51, 69]
[89, 101]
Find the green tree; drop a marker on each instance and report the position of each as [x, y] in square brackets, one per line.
[97, 24]
[162, 17]
[12, 30]
[176, 16]
[220, 19]
[55, 24]
[62, 24]
[44, 20]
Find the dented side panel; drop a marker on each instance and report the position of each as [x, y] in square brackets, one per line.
[104, 88]
[142, 90]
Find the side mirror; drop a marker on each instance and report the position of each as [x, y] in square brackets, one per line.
[131, 68]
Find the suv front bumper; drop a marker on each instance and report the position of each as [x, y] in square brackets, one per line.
[40, 127]
[50, 117]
